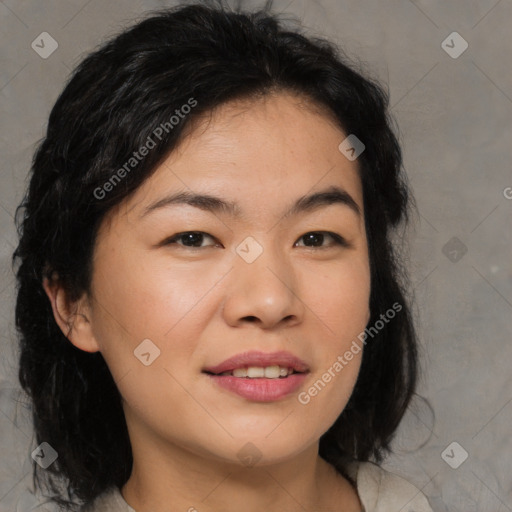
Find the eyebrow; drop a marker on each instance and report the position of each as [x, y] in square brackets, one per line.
[209, 203]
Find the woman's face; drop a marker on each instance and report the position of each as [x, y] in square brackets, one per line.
[259, 277]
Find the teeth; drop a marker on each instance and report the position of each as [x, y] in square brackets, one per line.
[258, 372]
[272, 372]
[255, 372]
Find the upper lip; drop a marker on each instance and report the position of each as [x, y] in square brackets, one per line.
[262, 359]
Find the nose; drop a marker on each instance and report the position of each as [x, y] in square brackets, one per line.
[264, 292]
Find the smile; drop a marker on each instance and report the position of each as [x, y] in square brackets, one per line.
[255, 372]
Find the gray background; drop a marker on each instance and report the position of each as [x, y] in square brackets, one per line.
[454, 116]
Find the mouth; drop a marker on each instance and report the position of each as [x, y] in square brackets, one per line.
[257, 364]
[260, 377]
[258, 372]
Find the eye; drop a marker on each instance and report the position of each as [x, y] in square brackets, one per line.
[190, 239]
[315, 239]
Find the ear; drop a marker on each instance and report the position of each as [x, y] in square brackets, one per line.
[74, 319]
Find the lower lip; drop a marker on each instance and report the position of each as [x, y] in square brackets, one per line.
[260, 389]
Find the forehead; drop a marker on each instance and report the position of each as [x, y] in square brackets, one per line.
[260, 153]
[278, 126]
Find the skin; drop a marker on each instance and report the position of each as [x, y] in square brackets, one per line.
[201, 305]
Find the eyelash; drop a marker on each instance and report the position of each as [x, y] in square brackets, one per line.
[338, 240]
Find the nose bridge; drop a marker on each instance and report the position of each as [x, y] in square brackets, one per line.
[263, 284]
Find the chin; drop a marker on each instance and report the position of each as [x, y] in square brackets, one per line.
[267, 448]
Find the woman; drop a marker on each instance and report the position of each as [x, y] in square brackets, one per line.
[210, 309]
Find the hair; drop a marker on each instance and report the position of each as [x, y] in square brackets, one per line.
[112, 102]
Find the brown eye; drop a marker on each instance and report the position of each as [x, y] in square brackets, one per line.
[316, 238]
[192, 239]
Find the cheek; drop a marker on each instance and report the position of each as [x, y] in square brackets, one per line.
[340, 296]
[167, 304]
[144, 298]
[136, 302]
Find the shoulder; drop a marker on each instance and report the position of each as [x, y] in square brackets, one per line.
[380, 490]
[109, 501]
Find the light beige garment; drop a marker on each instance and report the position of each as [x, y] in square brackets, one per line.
[379, 491]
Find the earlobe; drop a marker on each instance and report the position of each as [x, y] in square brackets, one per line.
[74, 319]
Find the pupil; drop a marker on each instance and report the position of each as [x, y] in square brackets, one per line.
[194, 238]
[313, 237]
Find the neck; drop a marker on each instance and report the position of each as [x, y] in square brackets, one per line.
[169, 477]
